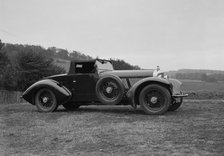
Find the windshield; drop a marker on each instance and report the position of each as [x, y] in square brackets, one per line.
[104, 65]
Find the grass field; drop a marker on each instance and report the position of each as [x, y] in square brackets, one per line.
[195, 129]
[194, 85]
[203, 90]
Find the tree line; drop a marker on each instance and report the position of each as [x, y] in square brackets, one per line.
[207, 77]
[23, 65]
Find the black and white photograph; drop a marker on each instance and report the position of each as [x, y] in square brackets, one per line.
[111, 77]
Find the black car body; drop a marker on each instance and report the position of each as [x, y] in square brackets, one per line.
[96, 82]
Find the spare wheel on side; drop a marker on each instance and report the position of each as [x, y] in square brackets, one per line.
[110, 89]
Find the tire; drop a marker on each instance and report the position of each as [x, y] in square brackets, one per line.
[45, 100]
[71, 106]
[154, 99]
[175, 106]
[110, 90]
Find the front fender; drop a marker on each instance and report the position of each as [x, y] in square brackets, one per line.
[136, 88]
[176, 86]
[61, 92]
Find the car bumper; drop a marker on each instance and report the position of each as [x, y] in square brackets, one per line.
[179, 95]
[178, 98]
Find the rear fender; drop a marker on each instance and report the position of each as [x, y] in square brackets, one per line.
[61, 92]
[134, 91]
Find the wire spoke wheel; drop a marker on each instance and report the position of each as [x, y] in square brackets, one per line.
[110, 90]
[154, 99]
[45, 100]
[175, 105]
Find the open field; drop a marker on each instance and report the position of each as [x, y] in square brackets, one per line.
[203, 90]
[194, 85]
[195, 129]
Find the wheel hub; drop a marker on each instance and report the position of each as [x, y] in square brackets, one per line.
[109, 90]
[154, 100]
[45, 99]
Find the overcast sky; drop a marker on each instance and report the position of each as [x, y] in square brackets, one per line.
[174, 34]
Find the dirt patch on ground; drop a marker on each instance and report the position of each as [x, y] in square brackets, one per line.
[197, 128]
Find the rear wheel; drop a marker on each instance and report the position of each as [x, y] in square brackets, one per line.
[45, 100]
[175, 105]
[154, 99]
[71, 106]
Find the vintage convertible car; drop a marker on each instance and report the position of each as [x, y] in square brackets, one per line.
[96, 82]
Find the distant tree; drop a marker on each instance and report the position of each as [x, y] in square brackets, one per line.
[8, 80]
[75, 55]
[33, 66]
[4, 61]
[122, 65]
[1, 44]
[62, 53]
[7, 72]
[50, 52]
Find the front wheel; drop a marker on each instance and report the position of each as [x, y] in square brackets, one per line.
[45, 100]
[175, 105]
[154, 99]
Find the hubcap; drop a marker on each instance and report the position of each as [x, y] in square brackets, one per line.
[109, 90]
[154, 100]
[45, 99]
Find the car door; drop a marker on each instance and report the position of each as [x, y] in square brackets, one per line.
[83, 87]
